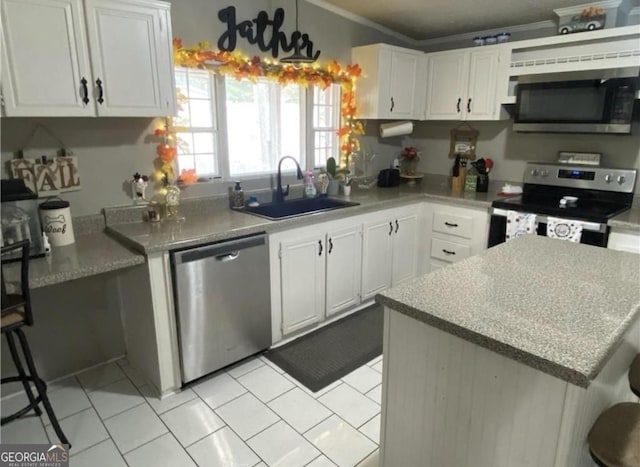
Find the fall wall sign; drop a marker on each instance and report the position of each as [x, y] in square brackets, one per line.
[263, 32]
[49, 177]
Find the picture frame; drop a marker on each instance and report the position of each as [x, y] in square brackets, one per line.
[463, 143]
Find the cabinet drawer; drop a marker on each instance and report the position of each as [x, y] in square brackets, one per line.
[461, 226]
[449, 251]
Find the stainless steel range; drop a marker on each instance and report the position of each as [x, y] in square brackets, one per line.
[584, 193]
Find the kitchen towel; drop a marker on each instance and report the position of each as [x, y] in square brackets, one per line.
[520, 223]
[564, 229]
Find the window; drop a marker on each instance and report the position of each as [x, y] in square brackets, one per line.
[252, 125]
[197, 148]
[264, 123]
[326, 121]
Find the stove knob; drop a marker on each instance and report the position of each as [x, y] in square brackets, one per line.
[544, 173]
[621, 179]
[534, 172]
[608, 178]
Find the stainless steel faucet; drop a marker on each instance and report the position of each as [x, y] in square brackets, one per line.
[280, 193]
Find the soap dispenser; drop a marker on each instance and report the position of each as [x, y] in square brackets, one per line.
[237, 197]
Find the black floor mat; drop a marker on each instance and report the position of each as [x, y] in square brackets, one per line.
[326, 355]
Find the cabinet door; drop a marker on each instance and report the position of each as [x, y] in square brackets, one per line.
[446, 85]
[45, 58]
[376, 257]
[483, 74]
[405, 246]
[402, 85]
[129, 48]
[302, 285]
[344, 265]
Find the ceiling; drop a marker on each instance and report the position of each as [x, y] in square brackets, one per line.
[427, 19]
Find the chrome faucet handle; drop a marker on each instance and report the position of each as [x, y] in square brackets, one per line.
[286, 192]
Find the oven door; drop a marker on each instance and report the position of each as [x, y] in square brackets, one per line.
[593, 233]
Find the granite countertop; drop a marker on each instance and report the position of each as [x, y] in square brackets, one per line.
[91, 254]
[556, 306]
[221, 224]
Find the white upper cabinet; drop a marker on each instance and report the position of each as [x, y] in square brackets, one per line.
[462, 85]
[45, 59]
[97, 58]
[391, 85]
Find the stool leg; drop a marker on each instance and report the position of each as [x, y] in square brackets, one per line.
[41, 387]
[21, 372]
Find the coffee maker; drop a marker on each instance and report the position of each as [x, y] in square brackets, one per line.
[20, 219]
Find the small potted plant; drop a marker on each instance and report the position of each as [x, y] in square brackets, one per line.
[335, 175]
[410, 157]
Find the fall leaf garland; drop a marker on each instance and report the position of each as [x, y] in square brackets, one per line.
[243, 67]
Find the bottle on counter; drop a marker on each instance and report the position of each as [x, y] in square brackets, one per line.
[237, 197]
[309, 187]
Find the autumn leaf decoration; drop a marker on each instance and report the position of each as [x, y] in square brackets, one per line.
[244, 67]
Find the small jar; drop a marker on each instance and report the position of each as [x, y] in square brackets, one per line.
[503, 37]
[490, 40]
[478, 40]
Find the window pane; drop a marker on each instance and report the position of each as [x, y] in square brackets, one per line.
[199, 85]
[186, 163]
[205, 164]
[197, 113]
[290, 122]
[185, 143]
[201, 114]
[263, 124]
[203, 143]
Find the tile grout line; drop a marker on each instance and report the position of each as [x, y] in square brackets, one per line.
[103, 420]
[229, 426]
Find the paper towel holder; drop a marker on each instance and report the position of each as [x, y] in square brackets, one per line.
[400, 128]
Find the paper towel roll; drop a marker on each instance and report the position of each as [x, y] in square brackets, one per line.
[396, 129]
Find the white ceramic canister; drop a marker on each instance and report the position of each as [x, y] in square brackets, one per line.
[55, 217]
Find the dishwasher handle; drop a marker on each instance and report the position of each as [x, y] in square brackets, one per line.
[223, 251]
[228, 257]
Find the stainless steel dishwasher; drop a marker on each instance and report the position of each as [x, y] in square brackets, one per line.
[223, 303]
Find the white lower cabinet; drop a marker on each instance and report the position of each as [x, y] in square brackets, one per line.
[389, 250]
[316, 274]
[454, 233]
[302, 271]
[623, 240]
[343, 269]
[332, 267]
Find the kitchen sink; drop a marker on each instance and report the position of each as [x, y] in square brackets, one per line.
[297, 207]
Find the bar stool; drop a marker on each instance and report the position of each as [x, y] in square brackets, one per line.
[16, 312]
[614, 439]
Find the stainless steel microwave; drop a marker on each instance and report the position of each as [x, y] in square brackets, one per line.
[577, 106]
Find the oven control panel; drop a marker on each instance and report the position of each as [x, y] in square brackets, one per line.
[580, 176]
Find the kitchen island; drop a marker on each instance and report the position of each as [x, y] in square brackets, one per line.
[508, 357]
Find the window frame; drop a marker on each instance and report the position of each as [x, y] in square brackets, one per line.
[221, 140]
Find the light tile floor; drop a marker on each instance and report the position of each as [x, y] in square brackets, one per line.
[253, 414]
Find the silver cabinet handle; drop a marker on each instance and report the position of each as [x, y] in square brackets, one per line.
[393, 104]
[390, 228]
[469, 105]
[448, 252]
[320, 244]
[458, 104]
[448, 224]
[397, 226]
